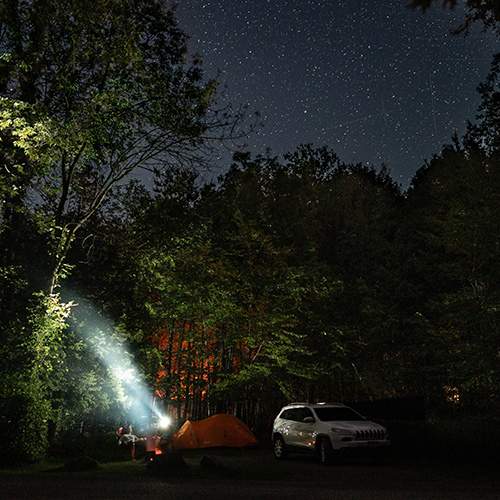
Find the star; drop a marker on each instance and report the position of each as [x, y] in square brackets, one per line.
[394, 78]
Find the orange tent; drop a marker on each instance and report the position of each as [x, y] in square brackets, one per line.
[218, 430]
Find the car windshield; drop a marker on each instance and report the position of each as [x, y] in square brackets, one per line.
[329, 414]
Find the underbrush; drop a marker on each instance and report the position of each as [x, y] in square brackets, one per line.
[101, 447]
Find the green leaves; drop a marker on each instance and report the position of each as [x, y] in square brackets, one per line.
[235, 290]
[34, 357]
[92, 92]
[22, 121]
[455, 207]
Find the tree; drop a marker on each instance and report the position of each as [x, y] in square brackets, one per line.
[484, 134]
[451, 250]
[330, 226]
[31, 360]
[92, 92]
[89, 93]
[216, 293]
[485, 11]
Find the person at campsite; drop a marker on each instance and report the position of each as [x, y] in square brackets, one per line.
[128, 440]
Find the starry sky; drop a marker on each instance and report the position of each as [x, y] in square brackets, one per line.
[371, 79]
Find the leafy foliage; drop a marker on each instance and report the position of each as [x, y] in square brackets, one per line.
[458, 227]
[91, 93]
[30, 370]
[88, 94]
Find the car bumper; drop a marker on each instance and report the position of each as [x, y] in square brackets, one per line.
[357, 448]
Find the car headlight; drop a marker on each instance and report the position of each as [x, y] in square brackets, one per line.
[342, 431]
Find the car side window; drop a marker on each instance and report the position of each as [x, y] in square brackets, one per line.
[287, 415]
[304, 413]
[295, 414]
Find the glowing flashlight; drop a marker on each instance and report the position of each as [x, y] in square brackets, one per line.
[164, 421]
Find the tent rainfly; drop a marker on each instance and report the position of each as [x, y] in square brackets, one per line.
[218, 430]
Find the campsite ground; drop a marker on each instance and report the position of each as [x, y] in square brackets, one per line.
[256, 474]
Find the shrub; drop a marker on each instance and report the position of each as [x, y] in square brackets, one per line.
[24, 415]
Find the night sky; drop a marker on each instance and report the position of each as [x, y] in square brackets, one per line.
[375, 81]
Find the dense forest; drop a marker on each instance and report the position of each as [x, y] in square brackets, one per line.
[294, 278]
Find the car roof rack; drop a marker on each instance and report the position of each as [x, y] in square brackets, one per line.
[321, 403]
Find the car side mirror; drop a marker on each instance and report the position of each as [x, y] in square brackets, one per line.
[308, 420]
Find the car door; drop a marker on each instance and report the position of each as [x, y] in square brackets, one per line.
[289, 430]
[286, 425]
[304, 428]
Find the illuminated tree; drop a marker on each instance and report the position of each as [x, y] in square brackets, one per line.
[91, 92]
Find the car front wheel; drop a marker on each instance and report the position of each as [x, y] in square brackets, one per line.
[325, 451]
[279, 450]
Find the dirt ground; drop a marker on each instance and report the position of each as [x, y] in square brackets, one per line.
[251, 474]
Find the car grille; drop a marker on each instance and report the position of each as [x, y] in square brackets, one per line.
[370, 435]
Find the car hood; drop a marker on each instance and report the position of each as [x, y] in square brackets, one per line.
[355, 425]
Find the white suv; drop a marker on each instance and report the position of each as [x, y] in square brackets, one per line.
[330, 430]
